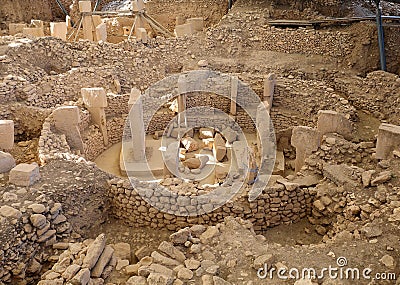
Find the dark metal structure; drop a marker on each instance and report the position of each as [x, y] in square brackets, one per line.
[381, 34]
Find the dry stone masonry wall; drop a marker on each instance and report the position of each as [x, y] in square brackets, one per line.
[281, 202]
[27, 229]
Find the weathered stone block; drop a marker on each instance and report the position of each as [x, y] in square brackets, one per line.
[58, 30]
[6, 134]
[197, 24]
[66, 116]
[37, 23]
[85, 6]
[96, 20]
[24, 174]
[7, 162]
[305, 140]
[36, 32]
[269, 87]
[219, 148]
[388, 140]
[141, 35]
[94, 97]
[137, 5]
[334, 122]
[101, 32]
[183, 30]
[14, 28]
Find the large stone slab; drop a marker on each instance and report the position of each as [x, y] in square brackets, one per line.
[388, 140]
[85, 6]
[66, 116]
[66, 120]
[183, 30]
[334, 122]
[6, 134]
[197, 23]
[305, 140]
[24, 174]
[101, 32]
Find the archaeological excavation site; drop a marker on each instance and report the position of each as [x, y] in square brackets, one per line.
[199, 142]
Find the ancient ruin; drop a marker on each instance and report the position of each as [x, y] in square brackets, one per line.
[199, 142]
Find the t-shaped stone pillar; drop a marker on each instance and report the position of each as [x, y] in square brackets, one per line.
[85, 7]
[66, 120]
[137, 125]
[6, 134]
[182, 89]
[234, 93]
[305, 140]
[263, 125]
[95, 100]
[388, 140]
[269, 87]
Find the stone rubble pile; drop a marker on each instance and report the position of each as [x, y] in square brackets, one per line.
[182, 259]
[378, 93]
[26, 229]
[88, 262]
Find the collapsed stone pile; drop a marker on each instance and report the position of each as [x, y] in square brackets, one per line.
[89, 262]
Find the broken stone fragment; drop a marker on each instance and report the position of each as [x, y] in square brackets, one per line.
[158, 278]
[163, 260]
[7, 162]
[94, 251]
[102, 262]
[206, 133]
[261, 260]
[137, 280]
[366, 177]
[382, 178]
[24, 174]
[10, 212]
[122, 250]
[121, 264]
[219, 281]
[37, 208]
[230, 134]
[71, 271]
[185, 274]
[192, 163]
[388, 261]
[209, 234]
[190, 144]
[38, 220]
[81, 278]
[169, 249]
